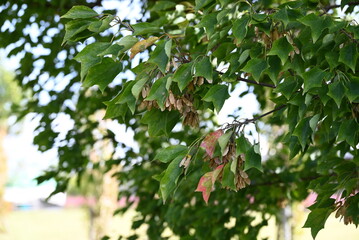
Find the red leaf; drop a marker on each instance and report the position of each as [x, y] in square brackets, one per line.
[209, 142]
[206, 183]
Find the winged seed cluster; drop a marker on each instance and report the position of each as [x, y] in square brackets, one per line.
[183, 104]
[241, 179]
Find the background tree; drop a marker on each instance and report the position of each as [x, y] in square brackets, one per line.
[297, 57]
[9, 94]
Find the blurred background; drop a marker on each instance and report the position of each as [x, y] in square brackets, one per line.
[70, 215]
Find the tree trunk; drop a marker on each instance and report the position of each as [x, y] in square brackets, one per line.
[107, 204]
[284, 224]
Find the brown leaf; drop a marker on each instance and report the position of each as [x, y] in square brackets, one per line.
[142, 45]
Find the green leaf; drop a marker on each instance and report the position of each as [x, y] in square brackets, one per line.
[355, 30]
[352, 88]
[332, 59]
[159, 92]
[337, 92]
[209, 23]
[303, 131]
[74, 27]
[228, 178]
[281, 47]
[88, 56]
[145, 28]
[240, 27]
[201, 3]
[159, 122]
[127, 97]
[316, 220]
[274, 68]
[101, 25]
[169, 180]
[217, 94]
[223, 140]
[120, 47]
[114, 110]
[137, 87]
[282, 15]
[317, 24]
[102, 73]
[242, 145]
[255, 66]
[183, 75]
[287, 87]
[168, 154]
[244, 56]
[253, 159]
[77, 12]
[348, 132]
[314, 122]
[313, 78]
[203, 68]
[163, 5]
[294, 146]
[348, 55]
[161, 55]
[112, 50]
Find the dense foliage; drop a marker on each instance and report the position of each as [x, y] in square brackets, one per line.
[299, 58]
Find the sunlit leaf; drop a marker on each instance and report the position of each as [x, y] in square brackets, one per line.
[80, 12]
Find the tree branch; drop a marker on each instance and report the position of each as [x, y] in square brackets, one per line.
[329, 7]
[267, 113]
[254, 82]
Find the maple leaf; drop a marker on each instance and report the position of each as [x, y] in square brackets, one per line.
[206, 183]
[209, 142]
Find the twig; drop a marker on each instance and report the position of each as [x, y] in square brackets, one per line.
[238, 124]
[257, 83]
[251, 81]
[349, 36]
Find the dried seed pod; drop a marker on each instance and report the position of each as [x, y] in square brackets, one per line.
[200, 81]
[142, 105]
[243, 174]
[179, 105]
[187, 102]
[149, 105]
[172, 98]
[144, 92]
[226, 150]
[167, 102]
[185, 161]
